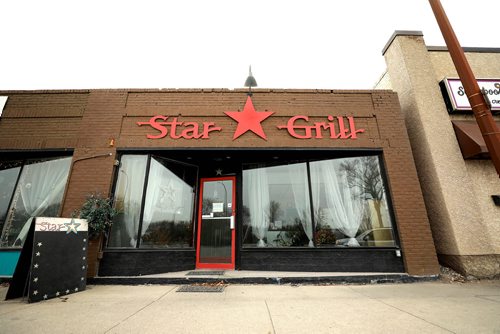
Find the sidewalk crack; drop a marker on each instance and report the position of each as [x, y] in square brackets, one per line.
[397, 308]
[139, 310]
[270, 317]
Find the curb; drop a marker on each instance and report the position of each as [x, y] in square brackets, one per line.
[365, 279]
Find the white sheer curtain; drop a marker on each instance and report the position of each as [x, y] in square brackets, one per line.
[41, 185]
[130, 188]
[297, 174]
[344, 210]
[157, 181]
[258, 202]
[165, 195]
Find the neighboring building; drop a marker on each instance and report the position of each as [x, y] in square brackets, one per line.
[460, 186]
[308, 180]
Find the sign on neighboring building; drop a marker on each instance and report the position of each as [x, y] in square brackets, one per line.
[456, 99]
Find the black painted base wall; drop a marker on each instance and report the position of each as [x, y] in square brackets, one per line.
[319, 260]
[136, 263]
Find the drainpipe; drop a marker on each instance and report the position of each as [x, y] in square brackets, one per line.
[480, 107]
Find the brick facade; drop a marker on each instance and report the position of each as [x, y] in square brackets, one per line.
[96, 124]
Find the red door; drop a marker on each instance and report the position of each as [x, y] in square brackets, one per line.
[216, 223]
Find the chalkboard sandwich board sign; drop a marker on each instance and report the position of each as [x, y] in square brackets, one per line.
[53, 262]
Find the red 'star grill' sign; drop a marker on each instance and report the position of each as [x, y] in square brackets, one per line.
[250, 120]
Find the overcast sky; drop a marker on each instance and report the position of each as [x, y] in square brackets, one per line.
[209, 44]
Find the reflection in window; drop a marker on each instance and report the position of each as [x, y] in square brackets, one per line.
[167, 217]
[128, 201]
[9, 173]
[348, 197]
[39, 192]
[168, 210]
[276, 207]
[350, 204]
[217, 208]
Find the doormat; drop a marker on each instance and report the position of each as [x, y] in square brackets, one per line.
[201, 288]
[205, 272]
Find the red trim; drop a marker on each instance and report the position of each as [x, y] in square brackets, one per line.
[233, 231]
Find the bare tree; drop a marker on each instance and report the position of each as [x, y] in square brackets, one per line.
[364, 173]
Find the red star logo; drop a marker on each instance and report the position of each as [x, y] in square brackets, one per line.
[249, 119]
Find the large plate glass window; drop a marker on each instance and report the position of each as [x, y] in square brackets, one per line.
[350, 203]
[327, 203]
[276, 206]
[155, 200]
[128, 201]
[32, 188]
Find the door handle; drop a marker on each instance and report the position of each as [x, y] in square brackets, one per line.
[231, 223]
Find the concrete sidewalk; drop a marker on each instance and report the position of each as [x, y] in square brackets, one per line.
[431, 307]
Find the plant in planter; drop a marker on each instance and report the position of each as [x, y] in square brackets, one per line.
[99, 213]
[325, 237]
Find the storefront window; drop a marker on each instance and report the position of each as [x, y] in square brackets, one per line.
[39, 192]
[349, 205]
[276, 207]
[9, 173]
[168, 210]
[128, 201]
[167, 217]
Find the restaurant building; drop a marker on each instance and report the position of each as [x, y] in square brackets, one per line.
[460, 185]
[284, 180]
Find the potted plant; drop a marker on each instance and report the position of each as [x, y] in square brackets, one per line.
[99, 213]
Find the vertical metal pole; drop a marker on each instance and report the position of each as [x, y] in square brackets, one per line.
[480, 108]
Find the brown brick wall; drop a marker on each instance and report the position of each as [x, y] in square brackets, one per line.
[93, 160]
[419, 253]
[87, 121]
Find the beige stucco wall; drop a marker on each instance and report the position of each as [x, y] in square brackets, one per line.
[482, 174]
[463, 217]
[484, 65]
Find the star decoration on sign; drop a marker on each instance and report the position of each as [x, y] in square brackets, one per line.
[218, 172]
[37, 254]
[39, 244]
[249, 119]
[72, 226]
[35, 265]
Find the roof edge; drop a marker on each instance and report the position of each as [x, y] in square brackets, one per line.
[198, 90]
[400, 33]
[466, 49]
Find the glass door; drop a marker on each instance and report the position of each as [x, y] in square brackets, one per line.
[216, 223]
